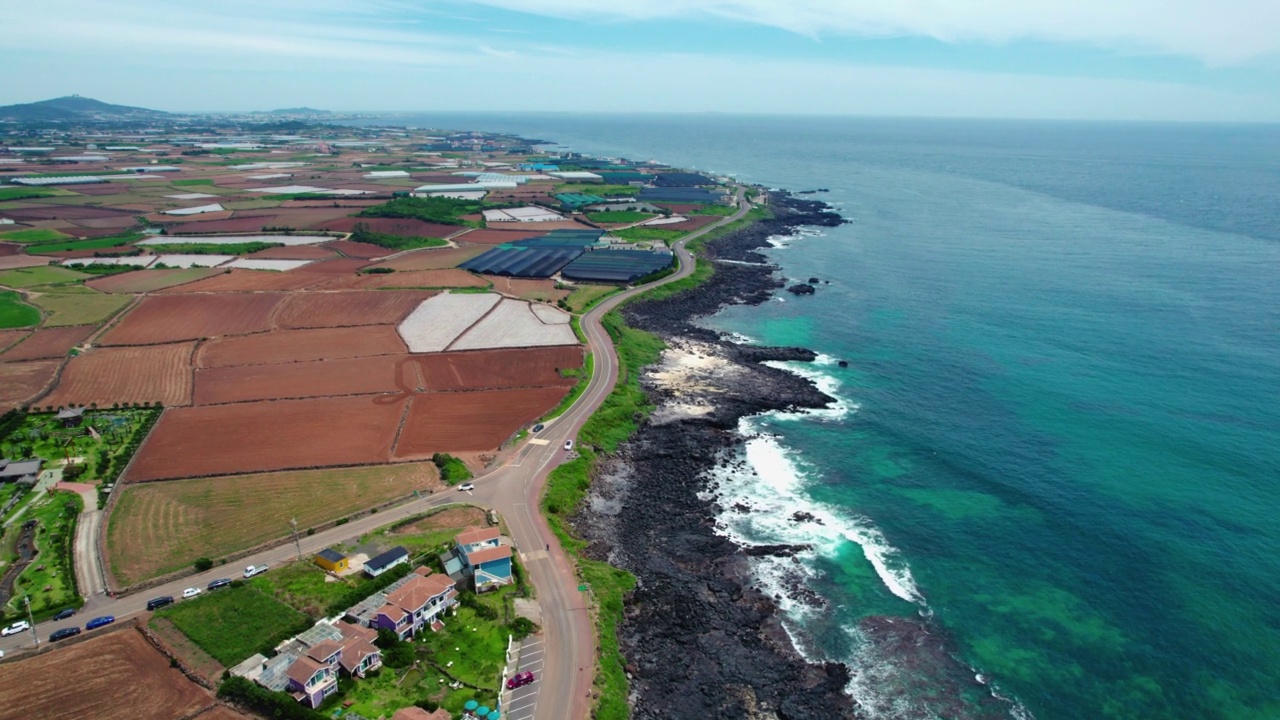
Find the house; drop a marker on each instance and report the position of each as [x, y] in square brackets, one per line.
[72, 416]
[310, 682]
[331, 560]
[414, 712]
[416, 604]
[387, 560]
[20, 471]
[485, 557]
[359, 655]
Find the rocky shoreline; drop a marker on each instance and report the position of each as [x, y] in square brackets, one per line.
[701, 641]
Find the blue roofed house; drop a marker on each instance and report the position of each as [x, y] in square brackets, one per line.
[485, 557]
[387, 560]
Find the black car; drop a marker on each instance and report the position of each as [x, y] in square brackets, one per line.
[538, 427]
[65, 614]
[63, 634]
[157, 603]
[219, 583]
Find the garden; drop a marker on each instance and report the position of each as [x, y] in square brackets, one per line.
[96, 449]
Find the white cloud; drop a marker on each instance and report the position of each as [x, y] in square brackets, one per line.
[1215, 31]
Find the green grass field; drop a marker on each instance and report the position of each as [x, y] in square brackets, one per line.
[90, 244]
[233, 623]
[39, 275]
[597, 189]
[191, 181]
[16, 314]
[584, 296]
[721, 210]
[78, 307]
[33, 235]
[619, 216]
[22, 193]
[212, 248]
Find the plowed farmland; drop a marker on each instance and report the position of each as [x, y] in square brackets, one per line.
[414, 279]
[287, 346]
[168, 318]
[156, 528]
[148, 280]
[9, 337]
[497, 237]
[354, 376]
[405, 227]
[493, 369]
[295, 252]
[528, 289]
[433, 258]
[118, 676]
[21, 381]
[49, 343]
[339, 309]
[251, 281]
[363, 251]
[271, 435]
[107, 375]
[462, 421]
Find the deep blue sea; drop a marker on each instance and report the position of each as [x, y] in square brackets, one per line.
[1058, 437]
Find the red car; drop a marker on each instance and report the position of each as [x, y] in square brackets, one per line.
[519, 680]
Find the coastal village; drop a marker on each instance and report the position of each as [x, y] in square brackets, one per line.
[223, 344]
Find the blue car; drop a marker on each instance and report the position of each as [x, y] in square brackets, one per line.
[65, 614]
[98, 622]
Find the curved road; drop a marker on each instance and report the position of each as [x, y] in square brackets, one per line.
[514, 491]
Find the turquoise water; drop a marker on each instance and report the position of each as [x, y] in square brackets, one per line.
[1058, 434]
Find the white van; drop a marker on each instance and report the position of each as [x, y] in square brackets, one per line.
[254, 570]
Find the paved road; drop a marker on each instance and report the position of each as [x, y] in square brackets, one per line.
[568, 637]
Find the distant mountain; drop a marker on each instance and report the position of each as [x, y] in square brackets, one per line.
[298, 111]
[75, 108]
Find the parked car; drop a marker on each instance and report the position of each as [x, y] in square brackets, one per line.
[14, 629]
[254, 570]
[65, 614]
[157, 603]
[538, 427]
[98, 622]
[63, 634]
[519, 680]
[467, 487]
[568, 444]
[190, 593]
[219, 583]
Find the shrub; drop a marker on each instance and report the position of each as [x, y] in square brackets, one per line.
[203, 564]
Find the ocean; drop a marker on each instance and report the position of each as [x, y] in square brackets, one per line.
[1058, 435]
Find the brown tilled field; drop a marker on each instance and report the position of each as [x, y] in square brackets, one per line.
[168, 318]
[322, 378]
[118, 676]
[414, 279]
[494, 369]
[433, 258]
[337, 266]
[21, 381]
[461, 421]
[363, 251]
[142, 281]
[405, 227]
[288, 346]
[295, 252]
[251, 281]
[527, 289]
[497, 237]
[339, 309]
[49, 343]
[160, 527]
[106, 375]
[271, 435]
[9, 337]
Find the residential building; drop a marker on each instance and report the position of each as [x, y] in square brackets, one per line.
[387, 560]
[20, 471]
[416, 604]
[310, 682]
[483, 555]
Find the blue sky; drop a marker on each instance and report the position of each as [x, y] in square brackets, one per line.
[1099, 59]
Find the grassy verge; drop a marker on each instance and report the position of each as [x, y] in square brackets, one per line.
[616, 419]
[584, 378]
[233, 623]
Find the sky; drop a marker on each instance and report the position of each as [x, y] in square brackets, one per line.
[1180, 60]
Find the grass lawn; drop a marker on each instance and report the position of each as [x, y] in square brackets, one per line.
[584, 296]
[79, 308]
[50, 580]
[233, 623]
[16, 314]
[33, 235]
[619, 216]
[39, 275]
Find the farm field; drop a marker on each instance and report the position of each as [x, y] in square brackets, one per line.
[516, 323]
[288, 346]
[493, 369]
[471, 421]
[14, 313]
[148, 280]
[42, 275]
[409, 279]
[321, 378]
[356, 307]
[436, 323]
[359, 250]
[169, 318]
[432, 258]
[528, 289]
[82, 307]
[107, 375]
[263, 436]
[10, 337]
[236, 622]
[49, 343]
[240, 281]
[157, 528]
[117, 676]
[21, 381]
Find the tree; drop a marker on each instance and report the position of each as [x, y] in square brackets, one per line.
[203, 564]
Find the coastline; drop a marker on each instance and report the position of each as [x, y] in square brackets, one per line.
[698, 634]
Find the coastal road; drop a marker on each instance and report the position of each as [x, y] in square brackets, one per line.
[513, 490]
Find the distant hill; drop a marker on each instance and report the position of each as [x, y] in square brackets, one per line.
[73, 108]
[298, 111]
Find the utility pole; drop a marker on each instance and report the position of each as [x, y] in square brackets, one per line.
[32, 620]
[293, 522]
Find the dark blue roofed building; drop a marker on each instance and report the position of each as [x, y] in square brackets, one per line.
[387, 560]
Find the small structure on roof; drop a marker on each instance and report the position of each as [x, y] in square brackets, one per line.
[332, 560]
[387, 560]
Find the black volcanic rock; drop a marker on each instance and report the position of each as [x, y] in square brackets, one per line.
[801, 289]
